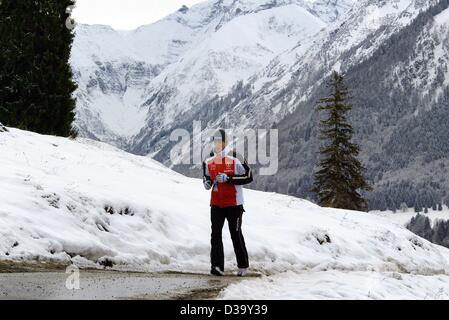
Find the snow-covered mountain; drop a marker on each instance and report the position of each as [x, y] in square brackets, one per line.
[91, 204]
[140, 81]
[293, 75]
[114, 68]
[395, 56]
[263, 63]
[398, 75]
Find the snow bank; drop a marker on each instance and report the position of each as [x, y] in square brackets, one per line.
[89, 203]
[341, 285]
[403, 218]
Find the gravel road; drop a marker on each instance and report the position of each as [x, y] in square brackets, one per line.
[110, 285]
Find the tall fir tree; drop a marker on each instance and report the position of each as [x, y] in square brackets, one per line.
[339, 180]
[36, 86]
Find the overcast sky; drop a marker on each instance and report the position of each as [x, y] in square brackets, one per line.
[126, 14]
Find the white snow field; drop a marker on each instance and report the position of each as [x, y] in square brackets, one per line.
[87, 202]
[404, 217]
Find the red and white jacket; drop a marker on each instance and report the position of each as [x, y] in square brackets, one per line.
[230, 193]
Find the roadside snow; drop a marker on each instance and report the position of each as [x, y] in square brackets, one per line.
[89, 203]
[341, 285]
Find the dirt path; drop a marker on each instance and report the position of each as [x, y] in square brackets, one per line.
[51, 284]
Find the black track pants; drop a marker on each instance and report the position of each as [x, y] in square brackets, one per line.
[234, 217]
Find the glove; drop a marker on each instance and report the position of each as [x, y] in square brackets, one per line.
[222, 178]
[207, 184]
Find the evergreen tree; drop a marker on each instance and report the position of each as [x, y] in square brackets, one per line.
[404, 207]
[438, 232]
[339, 180]
[36, 83]
[417, 206]
[421, 226]
[417, 209]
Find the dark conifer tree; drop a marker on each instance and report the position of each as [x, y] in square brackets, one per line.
[36, 86]
[339, 179]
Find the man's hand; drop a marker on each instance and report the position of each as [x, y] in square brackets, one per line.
[207, 183]
[222, 178]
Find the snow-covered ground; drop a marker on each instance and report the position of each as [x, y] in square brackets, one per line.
[403, 218]
[87, 202]
[334, 284]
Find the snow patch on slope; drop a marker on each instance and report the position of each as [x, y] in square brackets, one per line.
[443, 18]
[403, 218]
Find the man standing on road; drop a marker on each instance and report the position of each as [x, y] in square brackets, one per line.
[225, 174]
